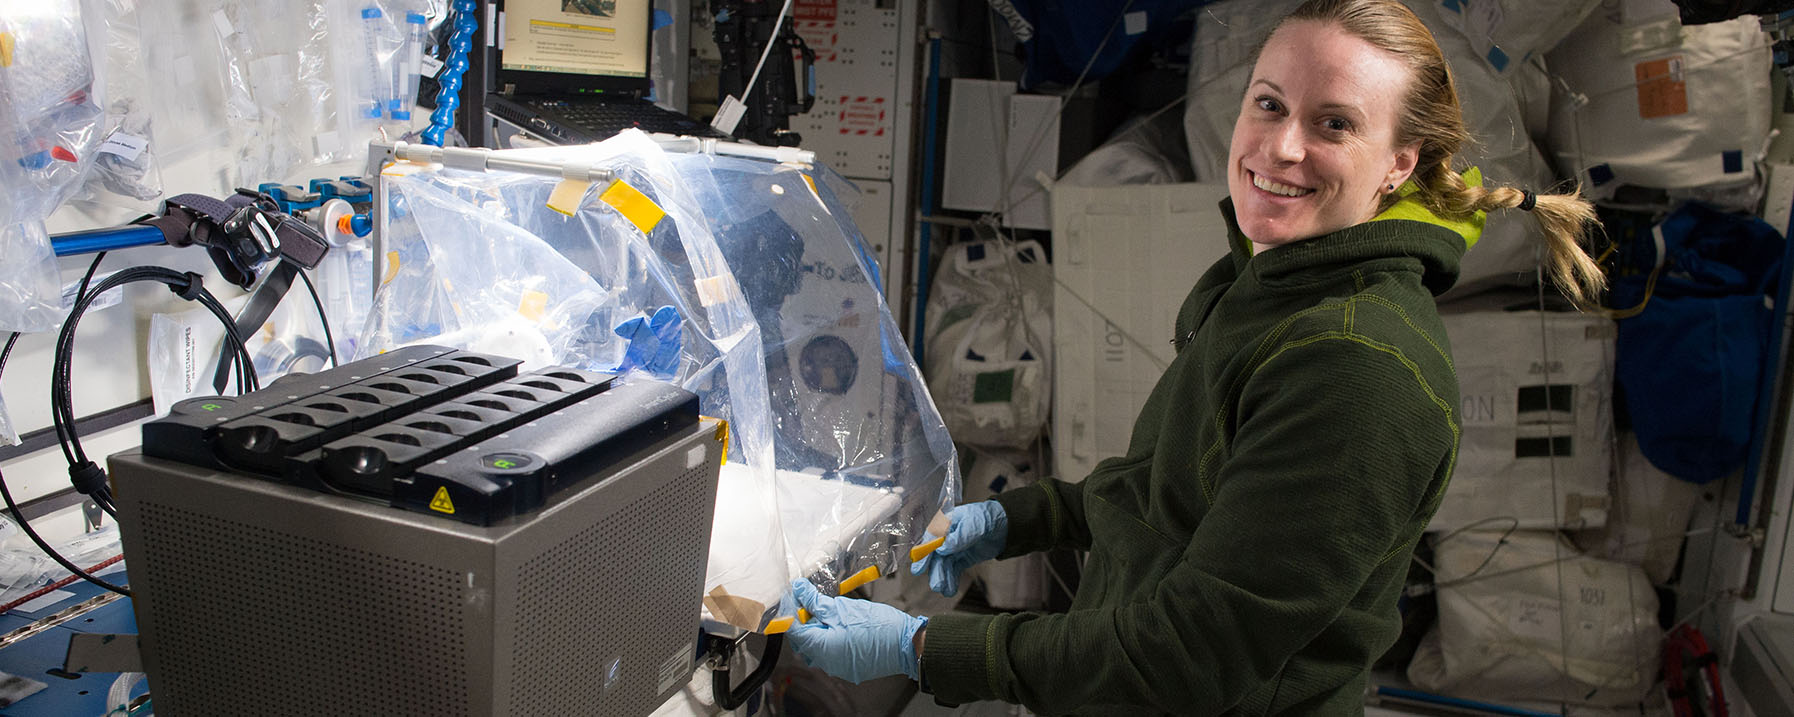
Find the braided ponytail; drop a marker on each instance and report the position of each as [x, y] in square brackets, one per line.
[1563, 218]
[1433, 118]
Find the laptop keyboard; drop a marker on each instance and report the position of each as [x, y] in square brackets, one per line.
[603, 119]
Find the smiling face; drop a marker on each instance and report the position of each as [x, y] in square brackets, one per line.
[1314, 149]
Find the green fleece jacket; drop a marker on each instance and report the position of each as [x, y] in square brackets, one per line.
[1245, 556]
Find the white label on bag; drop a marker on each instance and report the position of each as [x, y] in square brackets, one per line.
[128, 146]
[432, 66]
[222, 22]
[1135, 22]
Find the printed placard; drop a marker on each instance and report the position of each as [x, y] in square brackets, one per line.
[813, 10]
[821, 36]
[1662, 91]
[863, 115]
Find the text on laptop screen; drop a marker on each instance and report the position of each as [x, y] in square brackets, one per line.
[583, 37]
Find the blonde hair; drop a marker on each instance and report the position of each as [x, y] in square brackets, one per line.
[1433, 118]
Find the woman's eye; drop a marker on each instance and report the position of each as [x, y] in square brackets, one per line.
[1338, 125]
[1269, 105]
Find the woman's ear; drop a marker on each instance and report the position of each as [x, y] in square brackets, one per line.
[1405, 160]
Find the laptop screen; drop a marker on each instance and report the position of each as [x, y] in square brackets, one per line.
[598, 38]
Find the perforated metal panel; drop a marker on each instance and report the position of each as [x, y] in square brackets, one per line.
[608, 616]
[340, 631]
[261, 598]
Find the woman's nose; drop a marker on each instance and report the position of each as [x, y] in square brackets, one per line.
[1284, 144]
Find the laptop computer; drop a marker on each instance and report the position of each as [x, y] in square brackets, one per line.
[576, 71]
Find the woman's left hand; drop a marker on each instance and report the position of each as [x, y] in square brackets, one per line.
[855, 640]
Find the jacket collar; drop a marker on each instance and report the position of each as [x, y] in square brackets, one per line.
[1413, 232]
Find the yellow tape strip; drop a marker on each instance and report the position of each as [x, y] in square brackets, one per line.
[921, 551]
[722, 434]
[713, 290]
[6, 46]
[568, 194]
[812, 185]
[533, 305]
[778, 625]
[634, 206]
[392, 267]
[402, 168]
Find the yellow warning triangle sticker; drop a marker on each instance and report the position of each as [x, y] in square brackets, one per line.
[441, 502]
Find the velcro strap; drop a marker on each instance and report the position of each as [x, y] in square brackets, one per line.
[216, 210]
[173, 225]
[87, 477]
[192, 289]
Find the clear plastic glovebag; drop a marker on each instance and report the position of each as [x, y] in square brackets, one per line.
[479, 261]
[823, 480]
[864, 460]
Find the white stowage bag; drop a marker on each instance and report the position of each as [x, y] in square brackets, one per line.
[1649, 518]
[1535, 401]
[1508, 33]
[1578, 630]
[1146, 152]
[1659, 105]
[990, 342]
[1500, 109]
[1018, 583]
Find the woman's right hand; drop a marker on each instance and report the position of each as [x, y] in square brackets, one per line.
[976, 533]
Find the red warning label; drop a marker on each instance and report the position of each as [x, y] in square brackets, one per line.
[802, 10]
[821, 36]
[863, 115]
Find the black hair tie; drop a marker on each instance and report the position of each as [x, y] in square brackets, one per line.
[1528, 200]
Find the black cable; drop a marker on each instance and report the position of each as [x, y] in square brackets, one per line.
[87, 476]
[329, 342]
[25, 525]
[62, 435]
[82, 471]
[91, 268]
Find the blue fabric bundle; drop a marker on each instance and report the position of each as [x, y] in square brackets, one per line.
[1692, 362]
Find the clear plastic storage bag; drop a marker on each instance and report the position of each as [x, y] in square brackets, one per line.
[186, 109]
[833, 470]
[8, 436]
[125, 171]
[49, 116]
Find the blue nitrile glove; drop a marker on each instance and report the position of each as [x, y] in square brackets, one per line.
[855, 640]
[977, 533]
